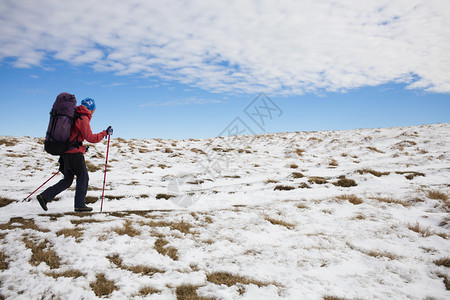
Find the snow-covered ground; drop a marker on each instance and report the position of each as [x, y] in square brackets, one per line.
[307, 215]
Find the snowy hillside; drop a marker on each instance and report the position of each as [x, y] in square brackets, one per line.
[307, 215]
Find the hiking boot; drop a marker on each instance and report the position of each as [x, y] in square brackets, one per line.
[83, 209]
[42, 202]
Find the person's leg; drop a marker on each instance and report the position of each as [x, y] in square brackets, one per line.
[82, 187]
[62, 185]
[78, 167]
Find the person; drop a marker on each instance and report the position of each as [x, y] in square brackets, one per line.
[72, 163]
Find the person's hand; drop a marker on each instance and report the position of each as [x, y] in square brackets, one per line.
[109, 130]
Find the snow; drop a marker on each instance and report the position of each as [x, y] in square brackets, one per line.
[305, 243]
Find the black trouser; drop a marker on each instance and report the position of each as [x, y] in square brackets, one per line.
[71, 164]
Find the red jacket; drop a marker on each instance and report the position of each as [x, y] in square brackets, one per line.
[81, 130]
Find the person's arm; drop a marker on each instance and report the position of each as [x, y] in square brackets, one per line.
[86, 132]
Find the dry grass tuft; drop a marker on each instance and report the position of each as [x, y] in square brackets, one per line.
[410, 174]
[373, 172]
[181, 226]
[344, 182]
[92, 168]
[333, 298]
[391, 201]
[189, 292]
[3, 263]
[425, 231]
[127, 229]
[353, 199]
[436, 195]
[374, 149]
[293, 166]
[8, 142]
[40, 254]
[446, 281]
[333, 163]
[300, 152]
[73, 232]
[230, 279]
[271, 181]
[138, 269]
[102, 286]
[5, 201]
[91, 199]
[69, 273]
[160, 246]
[284, 188]
[444, 262]
[279, 222]
[21, 223]
[297, 175]
[164, 196]
[317, 180]
[148, 290]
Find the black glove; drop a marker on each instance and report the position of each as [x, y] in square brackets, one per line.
[109, 130]
[86, 149]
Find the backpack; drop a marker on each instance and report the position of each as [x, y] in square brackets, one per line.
[62, 117]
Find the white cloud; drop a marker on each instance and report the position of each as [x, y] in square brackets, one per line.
[284, 47]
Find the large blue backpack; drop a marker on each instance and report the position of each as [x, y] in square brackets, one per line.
[62, 117]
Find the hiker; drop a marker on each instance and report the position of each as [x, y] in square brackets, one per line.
[72, 163]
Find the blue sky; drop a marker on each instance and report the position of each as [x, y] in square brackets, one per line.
[187, 71]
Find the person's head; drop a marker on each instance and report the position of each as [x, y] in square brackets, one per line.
[89, 103]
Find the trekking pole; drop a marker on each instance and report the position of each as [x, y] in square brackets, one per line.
[40, 186]
[104, 177]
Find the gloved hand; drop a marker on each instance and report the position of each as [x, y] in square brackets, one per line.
[109, 130]
[86, 149]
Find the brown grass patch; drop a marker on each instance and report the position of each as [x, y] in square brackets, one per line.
[21, 223]
[353, 199]
[333, 163]
[138, 269]
[284, 188]
[373, 172]
[374, 149]
[73, 232]
[271, 181]
[181, 226]
[5, 201]
[8, 142]
[230, 279]
[345, 182]
[127, 229]
[300, 152]
[189, 292]
[91, 167]
[102, 286]
[446, 281]
[164, 196]
[390, 200]
[297, 175]
[148, 290]
[444, 262]
[42, 253]
[91, 199]
[425, 231]
[317, 180]
[293, 166]
[3, 263]
[160, 246]
[410, 174]
[279, 222]
[69, 273]
[436, 195]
